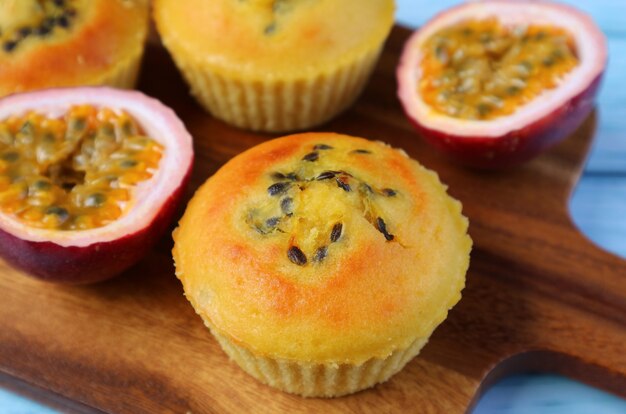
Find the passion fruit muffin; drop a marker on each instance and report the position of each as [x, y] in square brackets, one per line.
[321, 262]
[275, 65]
[57, 43]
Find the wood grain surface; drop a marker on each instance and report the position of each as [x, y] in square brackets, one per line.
[539, 295]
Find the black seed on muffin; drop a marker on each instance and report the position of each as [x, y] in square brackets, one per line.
[389, 192]
[43, 30]
[326, 175]
[382, 227]
[360, 151]
[278, 188]
[278, 176]
[311, 156]
[296, 256]
[9, 45]
[63, 21]
[286, 205]
[259, 229]
[320, 254]
[270, 28]
[59, 3]
[366, 188]
[25, 31]
[46, 27]
[322, 147]
[335, 233]
[272, 222]
[343, 185]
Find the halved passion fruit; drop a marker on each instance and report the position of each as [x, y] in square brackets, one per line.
[493, 83]
[89, 180]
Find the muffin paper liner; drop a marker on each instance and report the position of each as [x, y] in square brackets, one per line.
[275, 105]
[311, 379]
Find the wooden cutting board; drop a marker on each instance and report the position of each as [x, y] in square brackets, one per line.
[539, 295]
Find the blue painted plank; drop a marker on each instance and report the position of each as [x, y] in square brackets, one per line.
[609, 14]
[599, 209]
[14, 404]
[609, 152]
[547, 394]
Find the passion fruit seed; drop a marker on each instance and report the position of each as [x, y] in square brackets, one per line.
[95, 200]
[320, 254]
[366, 188]
[326, 175]
[269, 226]
[311, 156]
[275, 11]
[278, 188]
[272, 222]
[296, 256]
[270, 28]
[44, 17]
[481, 69]
[382, 227]
[341, 183]
[289, 176]
[335, 233]
[286, 206]
[75, 172]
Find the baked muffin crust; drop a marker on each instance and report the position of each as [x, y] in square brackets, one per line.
[377, 288]
[84, 42]
[283, 39]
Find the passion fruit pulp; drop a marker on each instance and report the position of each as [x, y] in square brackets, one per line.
[89, 180]
[494, 83]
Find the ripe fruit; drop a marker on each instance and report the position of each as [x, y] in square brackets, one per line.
[89, 180]
[494, 83]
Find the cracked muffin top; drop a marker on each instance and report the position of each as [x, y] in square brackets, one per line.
[323, 247]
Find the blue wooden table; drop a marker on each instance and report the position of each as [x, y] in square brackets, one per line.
[598, 208]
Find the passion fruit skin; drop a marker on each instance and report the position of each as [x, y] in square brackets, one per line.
[517, 146]
[524, 141]
[51, 262]
[55, 262]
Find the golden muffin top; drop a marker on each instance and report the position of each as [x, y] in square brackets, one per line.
[54, 43]
[323, 247]
[274, 37]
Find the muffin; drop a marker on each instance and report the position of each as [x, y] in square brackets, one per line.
[322, 263]
[55, 43]
[275, 65]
